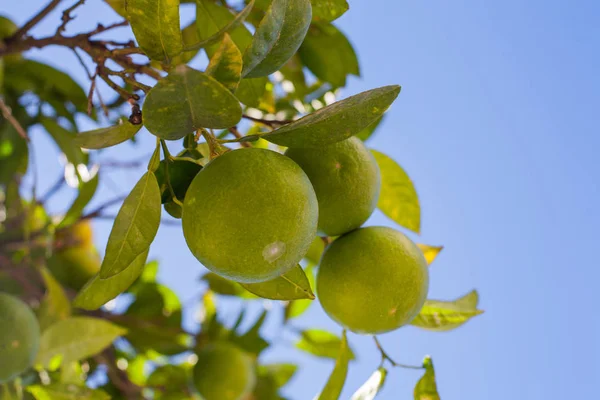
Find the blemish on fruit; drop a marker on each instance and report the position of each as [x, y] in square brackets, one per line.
[15, 344]
[272, 252]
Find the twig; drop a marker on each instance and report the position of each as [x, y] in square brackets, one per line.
[7, 113]
[53, 189]
[34, 20]
[165, 222]
[269, 123]
[119, 378]
[102, 207]
[385, 356]
[66, 17]
[238, 135]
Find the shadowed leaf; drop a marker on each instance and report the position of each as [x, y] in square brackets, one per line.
[292, 285]
[226, 64]
[107, 137]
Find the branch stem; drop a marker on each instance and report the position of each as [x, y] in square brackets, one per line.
[385, 356]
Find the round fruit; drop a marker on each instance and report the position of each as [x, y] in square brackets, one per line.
[373, 280]
[250, 215]
[173, 209]
[19, 337]
[181, 174]
[347, 181]
[76, 260]
[224, 372]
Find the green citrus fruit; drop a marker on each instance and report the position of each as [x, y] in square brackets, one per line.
[19, 337]
[224, 372]
[76, 260]
[173, 209]
[250, 215]
[181, 174]
[372, 280]
[347, 181]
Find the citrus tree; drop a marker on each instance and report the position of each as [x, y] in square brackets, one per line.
[266, 171]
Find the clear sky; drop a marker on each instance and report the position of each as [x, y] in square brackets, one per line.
[497, 124]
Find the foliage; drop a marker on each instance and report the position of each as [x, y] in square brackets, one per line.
[264, 74]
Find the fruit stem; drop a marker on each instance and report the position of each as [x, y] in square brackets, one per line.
[214, 146]
[169, 160]
[385, 356]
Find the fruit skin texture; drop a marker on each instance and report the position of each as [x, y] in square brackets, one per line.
[224, 372]
[250, 215]
[19, 337]
[373, 280]
[347, 182]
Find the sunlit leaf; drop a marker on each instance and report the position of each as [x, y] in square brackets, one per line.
[296, 308]
[321, 344]
[328, 54]
[292, 285]
[430, 252]
[337, 121]
[281, 372]
[134, 228]
[62, 391]
[335, 384]
[278, 37]
[84, 196]
[398, 198]
[443, 316]
[226, 64]
[369, 390]
[426, 388]
[76, 338]
[187, 100]
[107, 137]
[328, 10]
[155, 24]
[55, 305]
[98, 292]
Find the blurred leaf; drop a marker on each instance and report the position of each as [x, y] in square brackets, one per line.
[278, 37]
[426, 388]
[328, 54]
[337, 121]
[369, 390]
[152, 335]
[60, 391]
[134, 228]
[296, 308]
[335, 384]
[155, 24]
[430, 252]
[64, 140]
[107, 137]
[252, 341]
[14, 154]
[98, 292]
[55, 305]
[226, 64]
[398, 198]
[72, 373]
[315, 251]
[76, 338]
[84, 196]
[443, 316]
[282, 373]
[170, 378]
[270, 379]
[328, 10]
[292, 285]
[251, 90]
[187, 100]
[366, 133]
[321, 344]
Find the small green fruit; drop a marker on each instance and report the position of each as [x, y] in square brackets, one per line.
[250, 215]
[181, 174]
[373, 280]
[224, 372]
[19, 337]
[347, 181]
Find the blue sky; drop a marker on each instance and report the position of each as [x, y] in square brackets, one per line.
[497, 124]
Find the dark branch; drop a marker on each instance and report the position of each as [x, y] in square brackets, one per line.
[34, 20]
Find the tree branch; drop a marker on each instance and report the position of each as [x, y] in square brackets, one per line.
[7, 114]
[34, 20]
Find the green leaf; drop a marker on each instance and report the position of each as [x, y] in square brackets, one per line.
[252, 341]
[134, 228]
[84, 196]
[224, 286]
[292, 285]
[328, 10]
[170, 378]
[55, 305]
[251, 90]
[366, 133]
[426, 388]
[226, 64]
[278, 37]
[443, 316]
[398, 198]
[337, 121]
[296, 308]
[213, 21]
[328, 54]
[189, 34]
[430, 252]
[61, 391]
[315, 251]
[98, 292]
[75, 339]
[155, 24]
[107, 137]
[64, 139]
[321, 344]
[336, 381]
[282, 373]
[14, 154]
[369, 390]
[187, 100]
